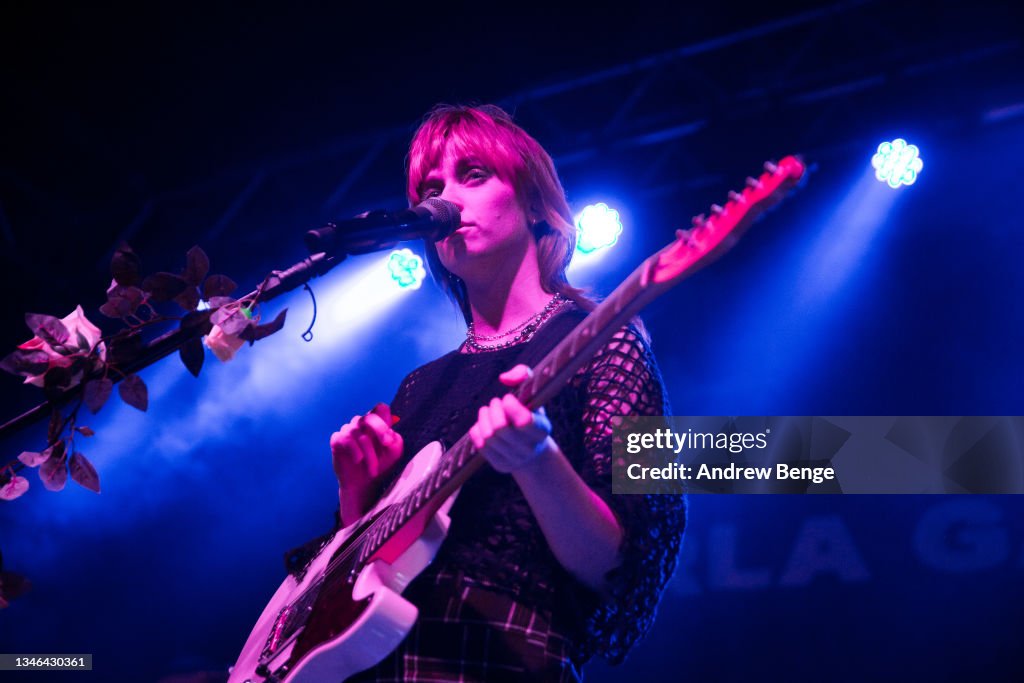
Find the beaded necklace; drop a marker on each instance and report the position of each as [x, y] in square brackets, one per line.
[525, 330]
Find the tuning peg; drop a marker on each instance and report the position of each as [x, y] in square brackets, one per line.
[698, 220]
[736, 197]
[716, 209]
[686, 237]
[770, 167]
[753, 182]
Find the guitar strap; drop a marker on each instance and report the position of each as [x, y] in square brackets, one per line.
[533, 352]
[548, 336]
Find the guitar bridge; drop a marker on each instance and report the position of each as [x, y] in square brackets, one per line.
[279, 632]
[290, 622]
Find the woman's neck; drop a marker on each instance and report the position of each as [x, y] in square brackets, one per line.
[500, 303]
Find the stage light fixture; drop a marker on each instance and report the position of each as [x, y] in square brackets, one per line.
[897, 163]
[597, 227]
[406, 269]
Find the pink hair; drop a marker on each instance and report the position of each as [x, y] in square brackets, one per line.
[487, 133]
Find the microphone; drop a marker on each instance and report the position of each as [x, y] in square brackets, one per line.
[432, 219]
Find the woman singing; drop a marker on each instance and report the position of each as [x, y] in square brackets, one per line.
[543, 567]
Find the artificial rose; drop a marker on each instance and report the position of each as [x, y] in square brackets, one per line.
[78, 325]
[223, 345]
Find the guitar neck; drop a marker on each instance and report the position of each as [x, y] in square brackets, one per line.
[576, 350]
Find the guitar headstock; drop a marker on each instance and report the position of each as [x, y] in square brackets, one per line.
[713, 235]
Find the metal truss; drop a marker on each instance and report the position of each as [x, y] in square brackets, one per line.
[679, 118]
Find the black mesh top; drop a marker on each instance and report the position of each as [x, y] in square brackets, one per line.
[494, 539]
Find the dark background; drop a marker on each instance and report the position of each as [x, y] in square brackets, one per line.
[239, 128]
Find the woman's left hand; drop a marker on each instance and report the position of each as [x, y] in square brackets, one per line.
[508, 433]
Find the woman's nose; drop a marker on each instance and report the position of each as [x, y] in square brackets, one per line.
[452, 195]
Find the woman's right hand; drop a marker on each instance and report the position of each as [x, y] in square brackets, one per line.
[363, 453]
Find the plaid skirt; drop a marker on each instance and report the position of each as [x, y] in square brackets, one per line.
[468, 633]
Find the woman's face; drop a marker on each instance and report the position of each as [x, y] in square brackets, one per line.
[494, 226]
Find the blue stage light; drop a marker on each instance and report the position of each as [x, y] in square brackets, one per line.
[897, 163]
[597, 227]
[406, 269]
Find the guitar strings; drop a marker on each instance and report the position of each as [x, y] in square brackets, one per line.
[360, 540]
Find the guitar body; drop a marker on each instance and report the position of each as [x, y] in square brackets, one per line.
[328, 623]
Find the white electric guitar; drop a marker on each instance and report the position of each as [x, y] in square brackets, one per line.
[344, 612]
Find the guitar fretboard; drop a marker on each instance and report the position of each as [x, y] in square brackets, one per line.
[692, 250]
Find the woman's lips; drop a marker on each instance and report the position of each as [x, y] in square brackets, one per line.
[458, 233]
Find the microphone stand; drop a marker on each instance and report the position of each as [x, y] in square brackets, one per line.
[275, 284]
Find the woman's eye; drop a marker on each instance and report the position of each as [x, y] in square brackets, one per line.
[476, 174]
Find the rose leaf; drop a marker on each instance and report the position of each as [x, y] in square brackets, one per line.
[83, 472]
[113, 309]
[46, 327]
[82, 342]
[14, 488]
[189, 298]
[54, 474]
[192, 355]
[122, 301]
[97, 392]
[164, 286]
[197, 265]
[22, 362]
[133, 392]
[218, 285]
[258, 332]
[31, 459]
[125, 266]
